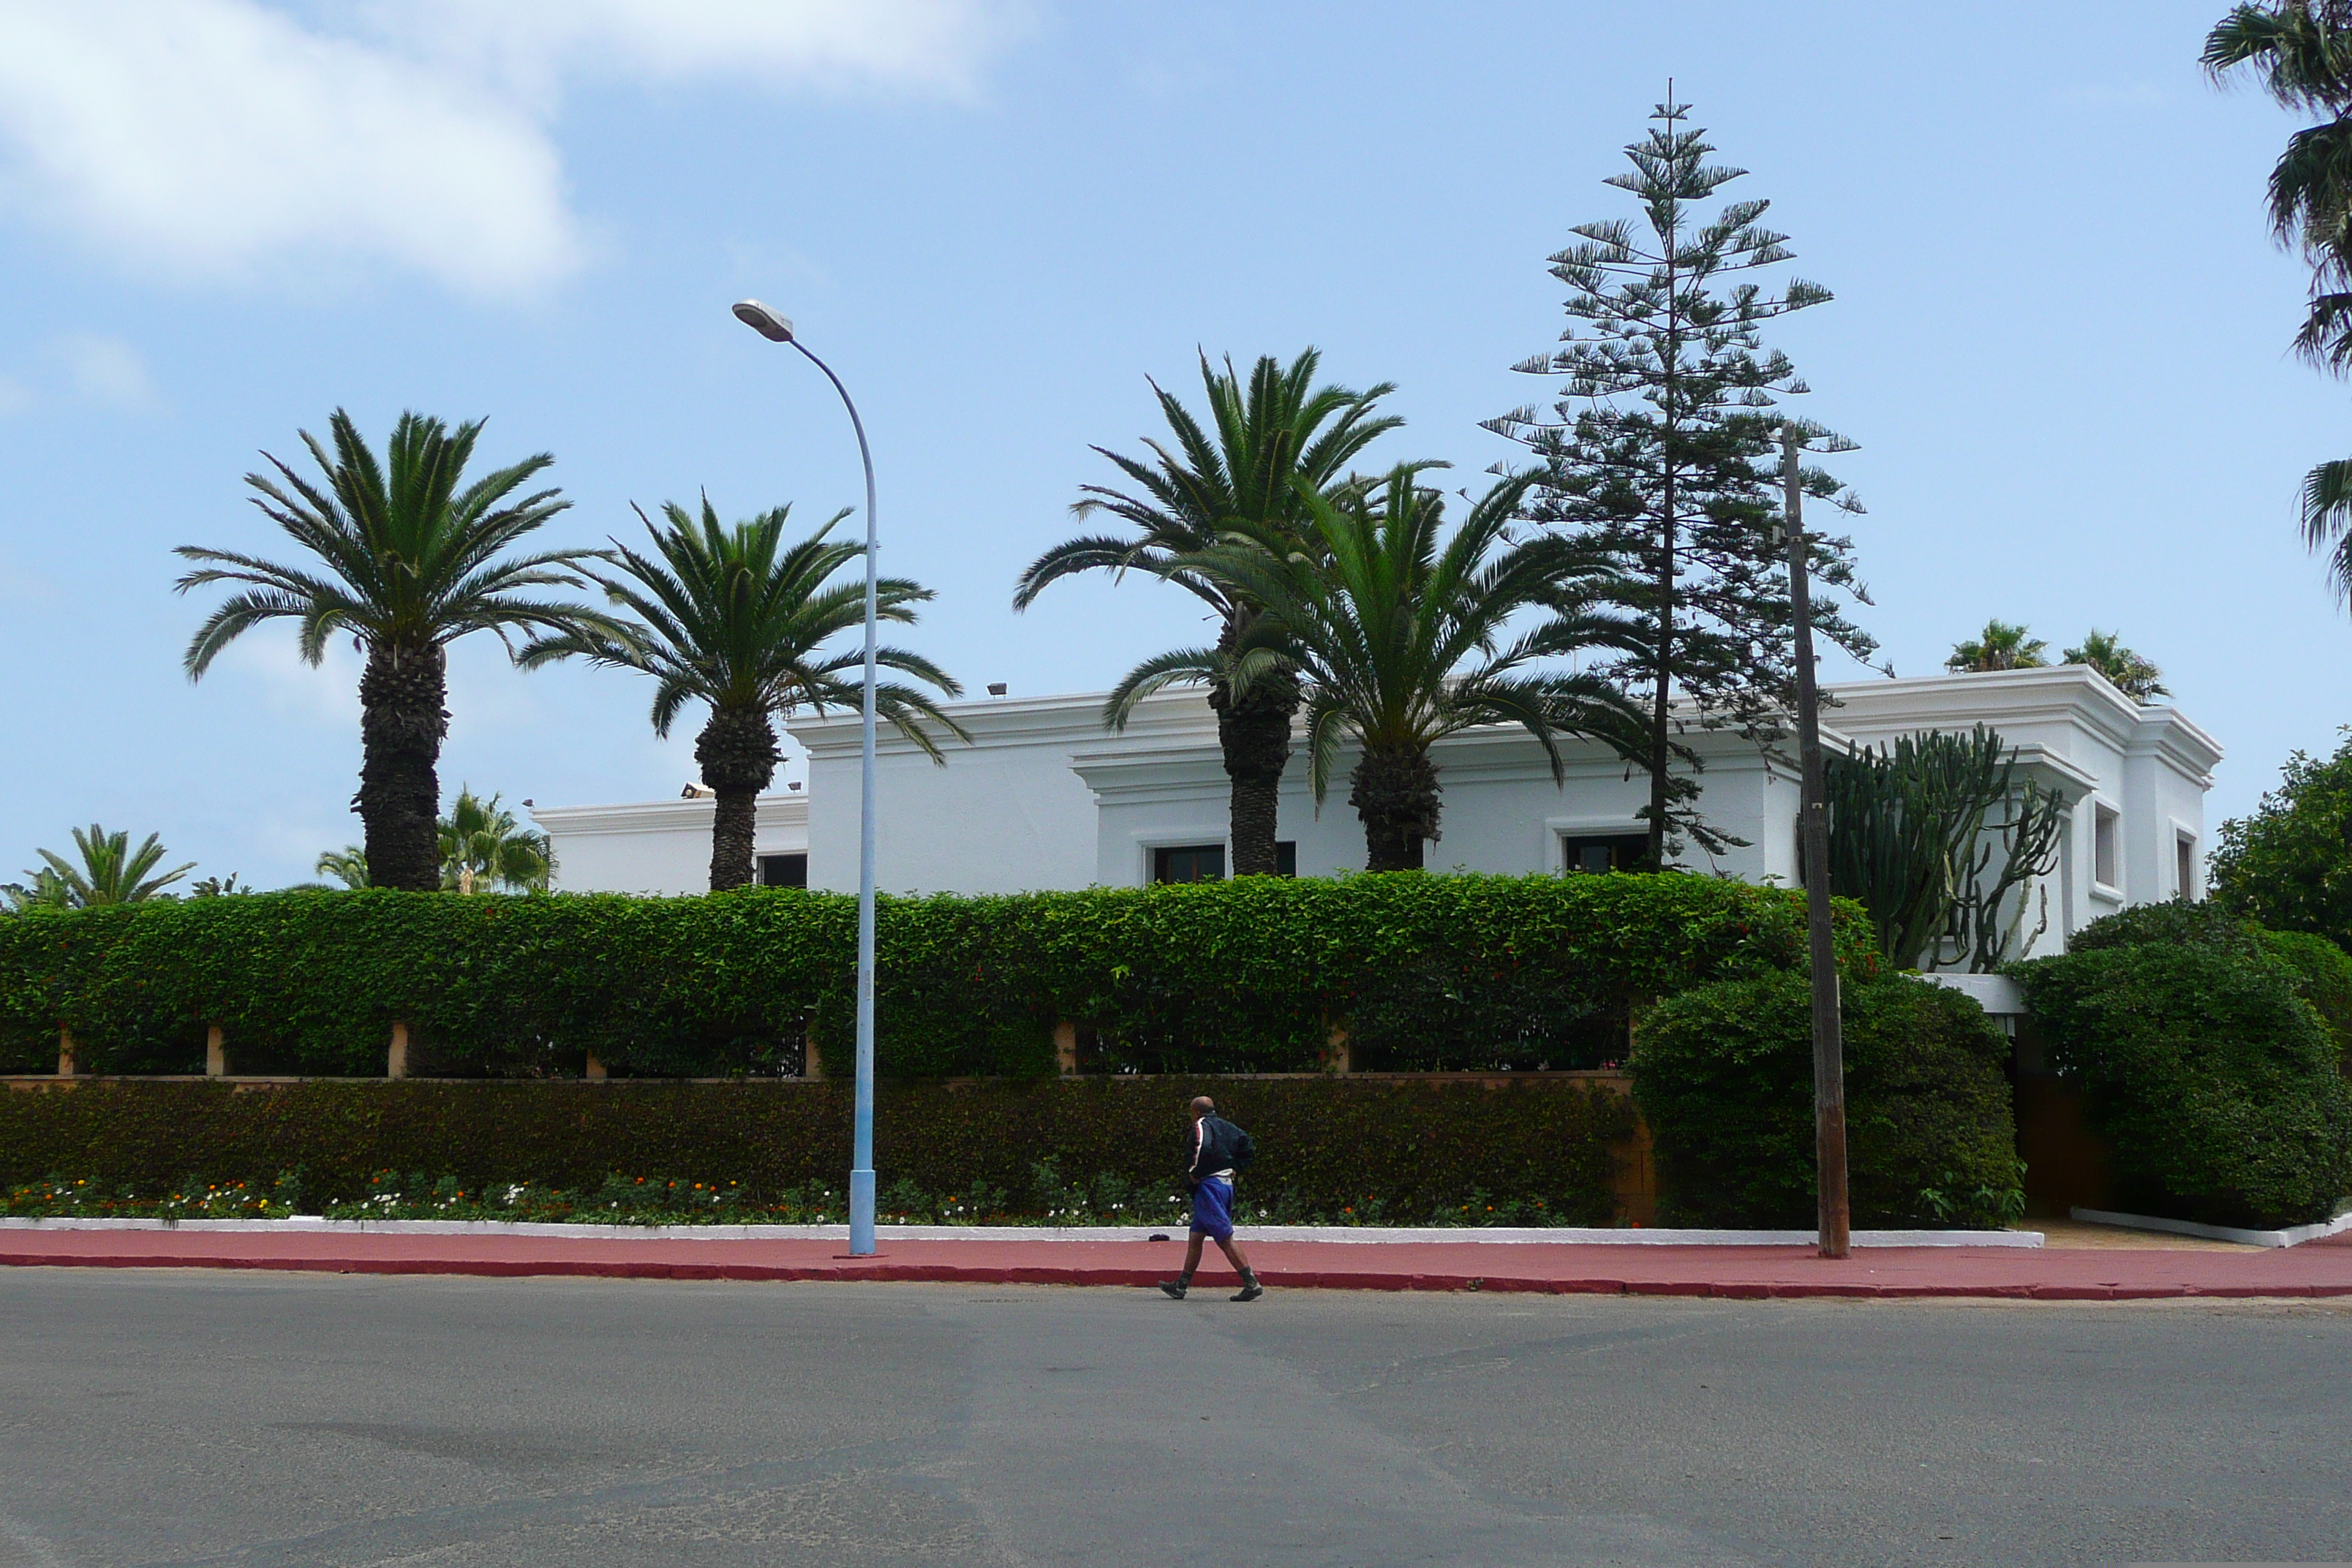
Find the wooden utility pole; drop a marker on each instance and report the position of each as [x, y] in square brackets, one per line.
[1814, 822]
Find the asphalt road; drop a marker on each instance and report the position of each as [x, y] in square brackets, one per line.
[187, 1418]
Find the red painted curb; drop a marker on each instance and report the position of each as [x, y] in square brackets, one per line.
[1112, 1275]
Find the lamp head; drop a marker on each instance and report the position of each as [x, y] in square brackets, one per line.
[764, 321]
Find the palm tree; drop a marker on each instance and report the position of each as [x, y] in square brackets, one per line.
[348, 866]
[411, 564]
[2302, 52]
[1999, 646]
[1401, 635]
[111, 872]
[2126, 671]
[736, 619]
[482, 842]
[1245, 471]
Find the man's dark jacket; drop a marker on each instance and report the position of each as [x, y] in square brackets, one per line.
[1223, 1146]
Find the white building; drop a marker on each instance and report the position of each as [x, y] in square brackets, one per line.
[1045, 798]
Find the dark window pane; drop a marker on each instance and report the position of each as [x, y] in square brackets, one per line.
[1189, 862]
[1286, 857]
[1604, 852]
[784, 870]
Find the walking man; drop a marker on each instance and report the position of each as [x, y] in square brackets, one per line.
[1216, 1151]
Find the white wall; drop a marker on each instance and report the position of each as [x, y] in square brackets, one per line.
[1043, 798]
[659, 846]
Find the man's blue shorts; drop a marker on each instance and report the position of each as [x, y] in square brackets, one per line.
[1212, 1209]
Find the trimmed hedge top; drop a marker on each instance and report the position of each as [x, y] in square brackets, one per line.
[1247, 976]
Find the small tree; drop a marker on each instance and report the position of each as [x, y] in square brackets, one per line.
[111, 872]
[482, 844]
[2289, 864]
[755, 626]
[1401, 634]
[1241, 470]
[348, 866]
[2301, 50]
[409, 557]
[1999, 646]
[1934, 835]
[1665, 455]
[2126, 671]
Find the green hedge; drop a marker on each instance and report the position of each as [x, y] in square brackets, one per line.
[1427, 972]
[1417, 1150]
[1724, 1076]
[2215, 1085]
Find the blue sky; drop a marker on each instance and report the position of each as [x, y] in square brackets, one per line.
[2059, 333]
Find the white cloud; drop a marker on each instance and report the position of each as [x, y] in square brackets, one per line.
[210, 138]
[931, 45]
[106, 370]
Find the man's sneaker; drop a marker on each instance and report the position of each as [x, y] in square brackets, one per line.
[1251, 1290]
[1175, 1289]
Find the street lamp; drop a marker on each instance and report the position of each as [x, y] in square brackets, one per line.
[777, 330]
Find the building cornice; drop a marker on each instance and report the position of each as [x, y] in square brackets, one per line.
[778, 810]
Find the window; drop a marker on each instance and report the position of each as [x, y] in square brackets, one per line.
[784, 870]
[2184, 852]
[1604, 852]
[2103, 847]
[1189, 862]
[1286, 857]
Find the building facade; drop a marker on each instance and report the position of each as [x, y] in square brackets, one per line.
[1043, 797]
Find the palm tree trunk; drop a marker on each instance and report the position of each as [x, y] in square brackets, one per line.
[1395, 794]
[1255, 736]
[402, 723]
[737, 753]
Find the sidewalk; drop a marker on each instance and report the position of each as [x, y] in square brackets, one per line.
[2057, 1272]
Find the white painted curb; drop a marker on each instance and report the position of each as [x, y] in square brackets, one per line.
[2295, 1236]
[1556, 1235]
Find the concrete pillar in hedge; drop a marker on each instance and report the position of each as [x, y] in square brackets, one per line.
[1337, 1054]
[396, 1059]
[65, 1052]
[1066, 1047]
[594, 1071]
[215, 1052]
[812, 1065]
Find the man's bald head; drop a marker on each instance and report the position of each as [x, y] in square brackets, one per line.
[1204, 1105]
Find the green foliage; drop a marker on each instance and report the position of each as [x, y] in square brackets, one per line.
[1914, 830]
[1424, 1152]
[2319, 970]
[2126, 671]
[2301, 54]
[2213, 1083]
[482, 845]
[111, 872]
[1724, 1076]
[1400, 632]
[1663, 453]
[2322, 976]
[2289, 864]
[2000, 645]
[1244, 473]
[1245, 975]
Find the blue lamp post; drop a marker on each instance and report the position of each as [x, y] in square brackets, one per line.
[776, 329]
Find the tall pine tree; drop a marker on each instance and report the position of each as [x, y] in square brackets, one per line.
[1665, 454]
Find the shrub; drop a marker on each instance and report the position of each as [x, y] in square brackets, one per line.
[2213, 1083]
[2289, 864]
[2320, 971]
[1327, 1147]
[1724, 1075]
[1247, 976]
